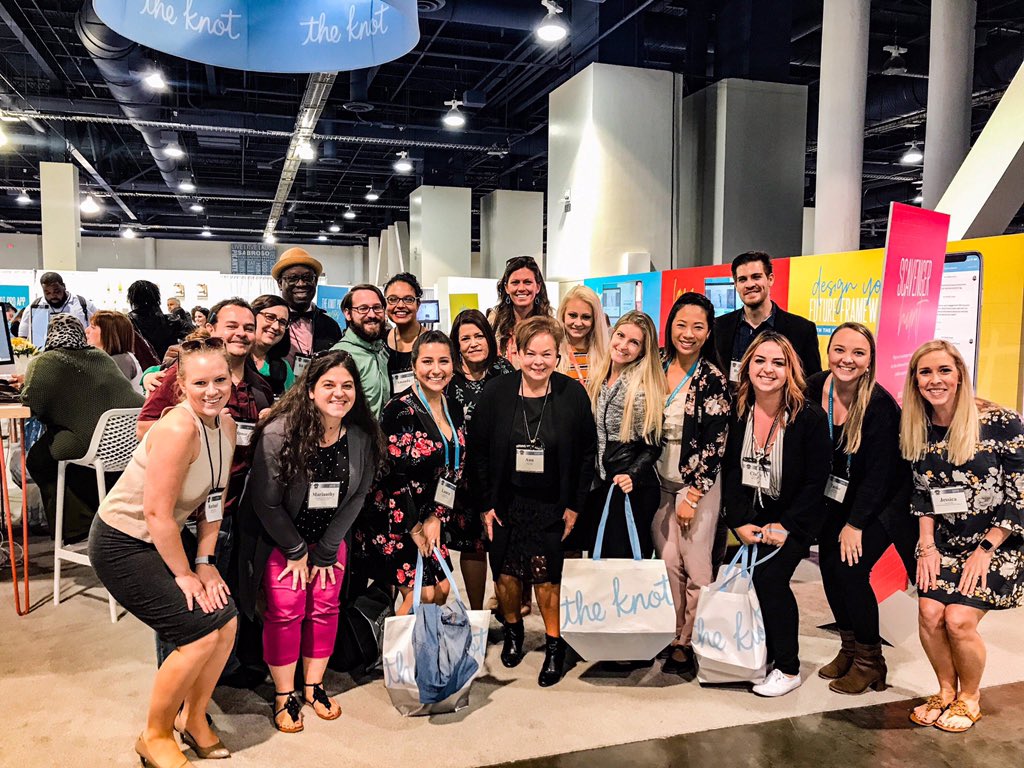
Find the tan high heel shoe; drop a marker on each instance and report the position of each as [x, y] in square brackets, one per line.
[142, 750]
[214, 752]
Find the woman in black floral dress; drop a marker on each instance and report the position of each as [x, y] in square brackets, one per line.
[968, 462]
[414, 495]
[476, 362]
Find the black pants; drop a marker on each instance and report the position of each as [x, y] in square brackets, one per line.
[644, 502]
[779, 610]
[848, 587]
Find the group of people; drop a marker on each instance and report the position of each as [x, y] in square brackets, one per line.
[292, 454]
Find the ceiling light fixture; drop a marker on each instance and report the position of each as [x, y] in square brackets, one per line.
[912, 156]
[269, 239]
[3, 137]
[895, 65]
[349, 213]
[919, 198]
[206, 232]
[186, 186]
[552, 29]
[128, 233]
[403, 164]
[334, 228]
[89, 206]
[196, 208]
[322, 237]
[154, 80]
[372, 195]
[174, 151]
[23, 198]
[305, 151]
[454, 118]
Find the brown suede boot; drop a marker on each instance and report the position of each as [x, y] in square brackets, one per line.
[841, 664]
[868, 671]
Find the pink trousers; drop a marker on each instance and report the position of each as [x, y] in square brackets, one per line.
[299, 621]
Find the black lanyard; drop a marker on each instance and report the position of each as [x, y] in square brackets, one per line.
[209, 455]
[540, 421]
[766, 449]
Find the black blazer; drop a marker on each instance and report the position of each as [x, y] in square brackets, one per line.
[806, 463]
[801, 332]
[326, 333]
[880, 478]
[490, 435]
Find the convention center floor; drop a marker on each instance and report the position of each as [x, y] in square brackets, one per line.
[73, 691]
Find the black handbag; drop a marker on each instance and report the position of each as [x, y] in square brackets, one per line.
[360, 639]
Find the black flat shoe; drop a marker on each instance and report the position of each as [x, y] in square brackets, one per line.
[554, 661]
[512, 650]
[675, 666]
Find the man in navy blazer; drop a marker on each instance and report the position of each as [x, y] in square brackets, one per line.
[736, 331]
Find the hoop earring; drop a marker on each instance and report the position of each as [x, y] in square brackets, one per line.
[536, 300]
[508, 299]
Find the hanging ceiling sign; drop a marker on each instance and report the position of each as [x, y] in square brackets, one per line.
[270, 35]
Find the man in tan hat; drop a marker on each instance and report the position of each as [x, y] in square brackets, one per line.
[310, 329]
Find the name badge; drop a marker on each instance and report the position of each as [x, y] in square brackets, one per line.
[301, 364]
[835, 488]
[756, 474]
[529, 459]
[402, 381]
[734, 371]
[949, 501]
[445, 493]
[324, 495]
[243, 432]
[215, 505]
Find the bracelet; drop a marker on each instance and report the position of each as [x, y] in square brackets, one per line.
[920, 551]
[206, 560]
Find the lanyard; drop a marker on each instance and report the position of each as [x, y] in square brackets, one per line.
[540, 421]
[686, 378]
[448, 418]
[220, 466]
[831, 428]
[761, 452]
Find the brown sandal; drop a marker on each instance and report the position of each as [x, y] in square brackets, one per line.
[934, 704]
[958, 709]
[293, 707]
[329, 709]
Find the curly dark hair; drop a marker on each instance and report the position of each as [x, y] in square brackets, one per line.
[142, 294]
[504, 319]
[409, 279]
[303, 419]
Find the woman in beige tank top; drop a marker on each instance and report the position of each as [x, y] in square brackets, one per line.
[182, 465]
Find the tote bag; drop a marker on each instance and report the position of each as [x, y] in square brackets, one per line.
[728, 631]
[617, 609]
[399, 659]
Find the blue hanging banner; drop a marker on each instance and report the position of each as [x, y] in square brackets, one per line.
[328, 298]
[270, 35]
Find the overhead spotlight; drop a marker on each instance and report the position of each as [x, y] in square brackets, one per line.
[334, 228]
[349, 213]
[23, 198]
[128, 233]
[206, 232]
[174, 151]
[154, 80]
[89, 206]
[305, 151]
[454, 118]
[552, 29]
[403, 164]
[372, 195]
[196, 208]
[269, 239]
[919, 198]
[322, 237]
[186, 186]
[895, 65]
[912, 156]
[3, 137]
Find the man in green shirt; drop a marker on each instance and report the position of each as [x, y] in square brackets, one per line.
[363, 307]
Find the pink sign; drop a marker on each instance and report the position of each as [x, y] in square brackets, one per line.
[915, 252]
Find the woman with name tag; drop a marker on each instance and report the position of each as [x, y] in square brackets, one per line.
[586, 332]
[402, 295]
[696, 420]
[968, 463]
[865, 502]
[627, 395]
[272, 318]
[521, 295]
[182, 464]
[476, 362]
[414, 496]
[315, 457]
[532, 449]
[777, 461]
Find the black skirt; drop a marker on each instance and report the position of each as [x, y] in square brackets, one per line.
[138, 578]
[528, 543]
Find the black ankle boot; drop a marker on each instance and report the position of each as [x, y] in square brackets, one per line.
[512, 650]
[554, 661]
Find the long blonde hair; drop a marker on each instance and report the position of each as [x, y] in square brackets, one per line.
[963, 433]
[792, 392]
[642, 375]
[597, 341]
[853, 429]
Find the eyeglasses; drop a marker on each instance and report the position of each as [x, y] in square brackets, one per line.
[365, 309]
[194, 345]
[271, 318]
[409, 301]
[309, 279]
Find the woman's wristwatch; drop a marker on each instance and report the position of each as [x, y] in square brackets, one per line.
[986, 546]
[206, 560]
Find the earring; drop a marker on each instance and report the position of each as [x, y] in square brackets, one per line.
[508, 299]
[536, 300]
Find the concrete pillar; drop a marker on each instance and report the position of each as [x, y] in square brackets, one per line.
[150, 244]
[511, 224]
[807, 238]
[440, 228]
[840, 155]
[62, 225]
[610, 171]
[740, 163]
[947, 137]
[380, 265]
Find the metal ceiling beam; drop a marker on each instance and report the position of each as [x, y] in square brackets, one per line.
[13, 17]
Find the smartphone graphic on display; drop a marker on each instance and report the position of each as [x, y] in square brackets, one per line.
[959, 316]
[611, 301]
[722, 293]
[638, 296]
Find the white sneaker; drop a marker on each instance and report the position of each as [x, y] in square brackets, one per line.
[778, 684]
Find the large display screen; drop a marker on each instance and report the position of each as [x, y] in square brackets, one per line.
[722, 292]
[959, 306]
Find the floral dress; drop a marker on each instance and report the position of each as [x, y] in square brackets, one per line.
[403, 494]
[465, 529]
[994, 485]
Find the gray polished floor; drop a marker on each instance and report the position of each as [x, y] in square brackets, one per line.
[879, 736]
